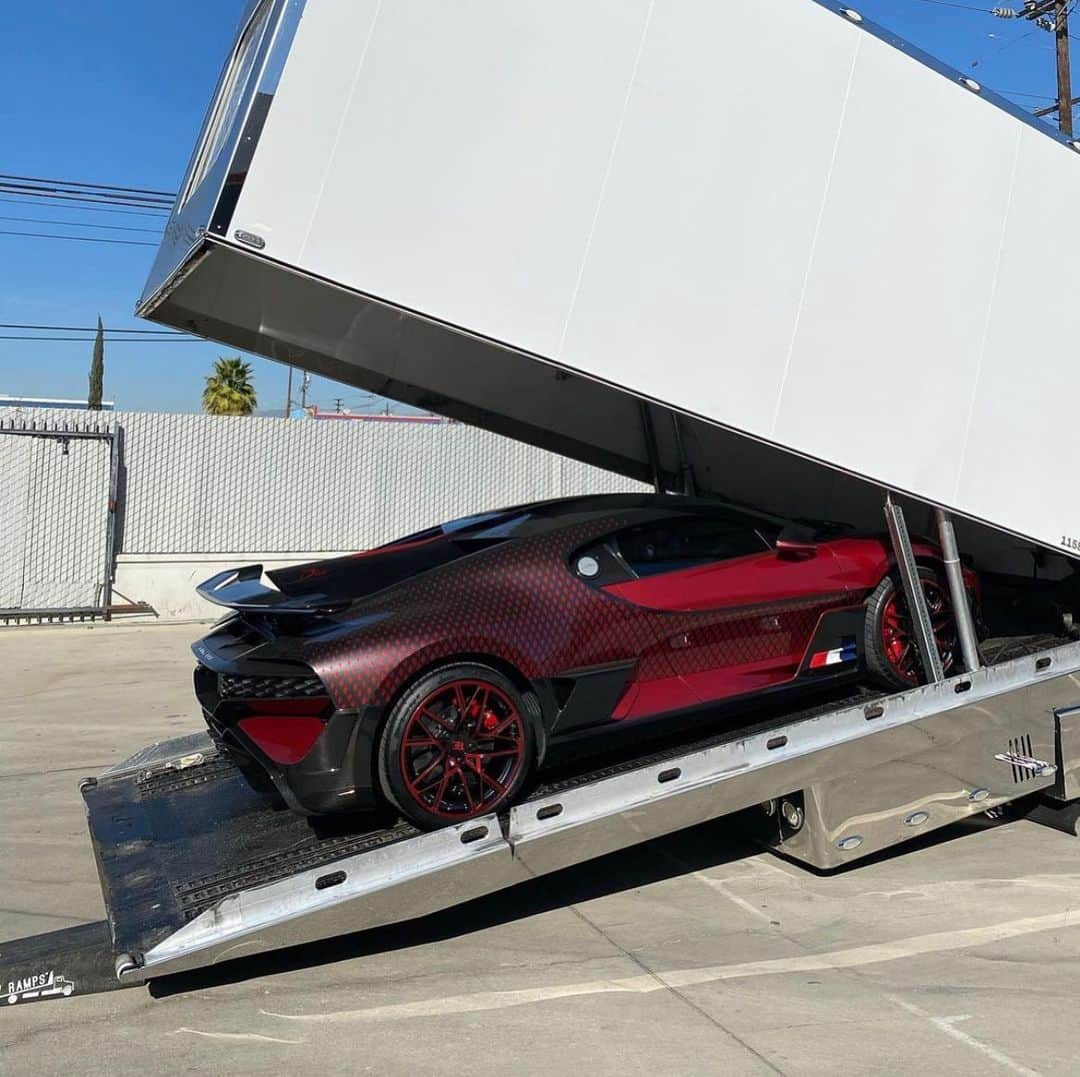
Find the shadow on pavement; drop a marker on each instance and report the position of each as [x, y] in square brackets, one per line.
[84, 954]
[723, 841]
[691, 850]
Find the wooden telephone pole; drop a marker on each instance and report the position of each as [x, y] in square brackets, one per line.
[1064, 69]
[1053, 15]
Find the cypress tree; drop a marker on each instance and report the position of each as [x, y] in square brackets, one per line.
[97, 370]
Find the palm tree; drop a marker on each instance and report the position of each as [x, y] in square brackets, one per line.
[228, 389]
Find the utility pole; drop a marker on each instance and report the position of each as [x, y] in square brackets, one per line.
[1064, 69]
[1052, 16]
[304, 383]
[288, 395]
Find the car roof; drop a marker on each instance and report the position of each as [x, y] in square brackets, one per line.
[540, 516]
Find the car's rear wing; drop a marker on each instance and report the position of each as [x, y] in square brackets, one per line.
[242, 589]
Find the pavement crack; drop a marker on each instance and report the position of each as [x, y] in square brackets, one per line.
[676, 992]
[74, 921]
[422, 977]
[81, 768]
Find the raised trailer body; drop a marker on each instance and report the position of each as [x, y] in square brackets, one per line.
[538, 217]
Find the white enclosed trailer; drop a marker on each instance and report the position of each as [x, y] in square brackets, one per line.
[584, 225]
[791, 232]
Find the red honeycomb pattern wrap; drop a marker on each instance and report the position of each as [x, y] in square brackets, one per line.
[523, 604]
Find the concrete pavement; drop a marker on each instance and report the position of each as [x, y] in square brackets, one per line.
[696, 954]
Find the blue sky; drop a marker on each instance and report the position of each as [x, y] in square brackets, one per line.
[115, 92]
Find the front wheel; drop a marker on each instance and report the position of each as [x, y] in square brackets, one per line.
[456, 745]
[892, 657]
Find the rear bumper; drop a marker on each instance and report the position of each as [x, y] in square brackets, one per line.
[337, 772]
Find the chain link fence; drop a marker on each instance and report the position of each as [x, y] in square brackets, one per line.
[197, 485]
[55, 519]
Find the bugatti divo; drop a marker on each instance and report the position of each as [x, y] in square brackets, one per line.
[440, 672]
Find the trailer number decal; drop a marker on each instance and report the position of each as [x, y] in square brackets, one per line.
[38, 985]
[1070, 543]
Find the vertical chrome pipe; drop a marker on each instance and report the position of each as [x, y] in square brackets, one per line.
[965, 623]
[913, 591]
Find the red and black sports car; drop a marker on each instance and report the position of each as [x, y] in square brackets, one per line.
[441, 671]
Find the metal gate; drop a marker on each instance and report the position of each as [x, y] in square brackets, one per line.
[58, 497]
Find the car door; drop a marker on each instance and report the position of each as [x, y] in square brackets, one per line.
[740, 612]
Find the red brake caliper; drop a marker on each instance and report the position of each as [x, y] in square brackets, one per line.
[488, 724]
[894, 640]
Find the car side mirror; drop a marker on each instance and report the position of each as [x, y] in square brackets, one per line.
[796, 543]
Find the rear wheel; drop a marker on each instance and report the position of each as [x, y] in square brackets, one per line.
[457, 744]
[892, 656]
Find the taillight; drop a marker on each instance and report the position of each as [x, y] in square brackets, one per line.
[285, 729]
[284, 739]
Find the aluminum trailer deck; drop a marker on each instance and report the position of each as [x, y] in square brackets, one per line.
[197, 869]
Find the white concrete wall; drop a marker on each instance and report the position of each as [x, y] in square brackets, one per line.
[168, 581]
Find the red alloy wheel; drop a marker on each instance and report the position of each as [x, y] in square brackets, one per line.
[897, 634]
[463, 747]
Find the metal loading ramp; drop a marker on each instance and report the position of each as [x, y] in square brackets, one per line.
[197, 869]
[539, 219]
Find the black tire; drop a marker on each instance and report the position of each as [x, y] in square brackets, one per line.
[881, 642]
[464, 753]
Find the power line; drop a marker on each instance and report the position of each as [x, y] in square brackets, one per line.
[80, 239]
[1004, 48]
[109, 340]
[91, 197]
[88, 199]
[117, 196]
[82, 224]
[1057, 107]
[83, 329]
[951, 3]
[1022, 93]
[48, 204]
[94, 186]
[65, 188]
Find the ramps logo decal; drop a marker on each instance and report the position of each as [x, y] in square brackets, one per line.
[39, 985]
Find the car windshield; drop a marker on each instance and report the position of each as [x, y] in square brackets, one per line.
[513, 522]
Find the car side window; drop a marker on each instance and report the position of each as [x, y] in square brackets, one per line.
[671, 544]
